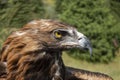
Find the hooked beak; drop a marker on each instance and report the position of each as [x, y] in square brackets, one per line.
[81, 42]
[84, 43]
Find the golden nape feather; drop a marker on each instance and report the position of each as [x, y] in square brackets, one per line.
[81, 74]
[34, 53]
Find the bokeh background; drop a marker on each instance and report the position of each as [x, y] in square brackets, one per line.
[99, 20]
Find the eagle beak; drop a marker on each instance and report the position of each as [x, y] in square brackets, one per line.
[81, 42]
[77, 41]
[84, 43]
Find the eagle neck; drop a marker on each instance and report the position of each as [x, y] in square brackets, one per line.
[45, 65]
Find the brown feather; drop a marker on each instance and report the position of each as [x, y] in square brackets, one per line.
[85, 75]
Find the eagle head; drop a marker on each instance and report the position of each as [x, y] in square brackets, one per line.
[55, 35]
[32, 52]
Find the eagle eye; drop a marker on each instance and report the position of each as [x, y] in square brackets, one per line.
[58, 34]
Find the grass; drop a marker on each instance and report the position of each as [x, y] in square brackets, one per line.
[112, 69]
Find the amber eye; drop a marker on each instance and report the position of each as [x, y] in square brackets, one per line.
[58, 34]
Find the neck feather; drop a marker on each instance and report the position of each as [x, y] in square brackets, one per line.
[39, 65]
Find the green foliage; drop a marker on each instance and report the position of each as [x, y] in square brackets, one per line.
[115, 6]
[93, 18]
[15, 13]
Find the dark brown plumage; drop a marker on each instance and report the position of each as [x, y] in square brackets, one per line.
[34, 52]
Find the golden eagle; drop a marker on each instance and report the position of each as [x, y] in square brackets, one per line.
[34, 53]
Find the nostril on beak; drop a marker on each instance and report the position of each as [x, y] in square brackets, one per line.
[79, 38]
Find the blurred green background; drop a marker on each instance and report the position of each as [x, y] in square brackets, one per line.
[99, 20]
